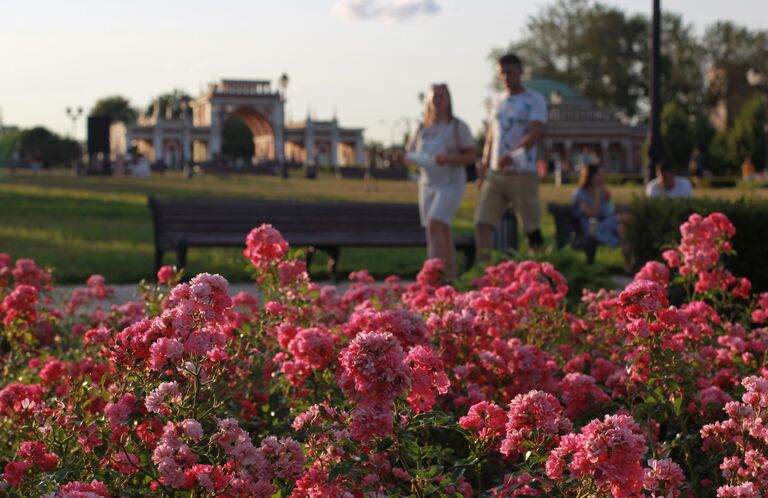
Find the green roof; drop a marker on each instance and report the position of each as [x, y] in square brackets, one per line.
[546, 86]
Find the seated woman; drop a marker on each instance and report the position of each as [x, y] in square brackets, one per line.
[591, 202]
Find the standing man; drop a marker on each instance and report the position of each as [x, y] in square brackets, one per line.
[508, 171]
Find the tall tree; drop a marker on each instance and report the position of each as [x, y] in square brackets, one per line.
[53, 148]
[727, 43]
[677, 134]
[682, 71]
[603, 53]
[747, 138]
[172, 102]
[115, 107]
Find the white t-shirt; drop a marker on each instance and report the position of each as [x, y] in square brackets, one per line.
[682, 188]
[510, 116]
[445, 137]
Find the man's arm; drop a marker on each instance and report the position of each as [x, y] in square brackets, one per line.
[485, 162]
[532, 137]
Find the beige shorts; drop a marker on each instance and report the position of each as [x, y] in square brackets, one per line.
[519, 191]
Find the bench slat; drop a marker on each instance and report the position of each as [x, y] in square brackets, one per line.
[182, 223]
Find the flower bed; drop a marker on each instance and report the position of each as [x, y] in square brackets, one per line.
[390, 389]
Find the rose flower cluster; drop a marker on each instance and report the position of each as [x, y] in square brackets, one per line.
[502, 387]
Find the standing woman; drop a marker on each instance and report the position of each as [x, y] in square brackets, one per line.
[441, 147]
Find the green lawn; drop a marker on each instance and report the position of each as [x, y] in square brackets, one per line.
[86, 225]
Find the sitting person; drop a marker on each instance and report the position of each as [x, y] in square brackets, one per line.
[667, 184]
[591, 203]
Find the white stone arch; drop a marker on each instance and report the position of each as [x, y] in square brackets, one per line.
[254, 101]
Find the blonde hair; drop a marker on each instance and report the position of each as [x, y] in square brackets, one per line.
[430, 114]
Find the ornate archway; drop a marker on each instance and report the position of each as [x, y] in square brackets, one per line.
[261, 129]
[255, 102]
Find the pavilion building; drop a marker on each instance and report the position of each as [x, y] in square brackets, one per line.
[576, 128]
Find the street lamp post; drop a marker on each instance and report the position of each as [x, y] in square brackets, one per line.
[282, 84]
[74, 114]
[655, 149]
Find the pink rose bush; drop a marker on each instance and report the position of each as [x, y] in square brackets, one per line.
[504, 389]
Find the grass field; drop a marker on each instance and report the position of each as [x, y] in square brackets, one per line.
[86, 225]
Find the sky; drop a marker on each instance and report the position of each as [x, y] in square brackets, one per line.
[365, 60]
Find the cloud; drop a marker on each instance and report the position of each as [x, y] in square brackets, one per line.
[385, 10]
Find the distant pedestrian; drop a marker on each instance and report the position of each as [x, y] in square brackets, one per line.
[748, 171]
[667, 184]
[442, 146]
[508, 172]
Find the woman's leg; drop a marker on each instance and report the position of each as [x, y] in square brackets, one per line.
[439, 233]
[426, 200]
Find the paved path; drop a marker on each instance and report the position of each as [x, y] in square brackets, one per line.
[127, 292]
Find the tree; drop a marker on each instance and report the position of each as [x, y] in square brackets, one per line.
[603, 53]
[9, 143]
[53, 148]
[176, 100]
[727, 43]
[237, 139]
[682, 71]
[677, 135]
[747, 136]
[115, 107]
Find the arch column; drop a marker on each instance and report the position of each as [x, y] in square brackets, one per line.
[334, 147]
[186, 144]
[309, 145]
[278, 131]
[157, 144]
[214, 140]
[359, 150]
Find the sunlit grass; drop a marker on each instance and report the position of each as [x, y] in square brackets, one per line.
[85, 225]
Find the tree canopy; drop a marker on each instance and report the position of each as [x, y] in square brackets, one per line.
[52, 148]
[175, 100]
[603, 52]
[116, 107]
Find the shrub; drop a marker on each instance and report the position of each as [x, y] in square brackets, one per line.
[655, 225]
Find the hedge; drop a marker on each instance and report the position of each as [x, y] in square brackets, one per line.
[655, 225]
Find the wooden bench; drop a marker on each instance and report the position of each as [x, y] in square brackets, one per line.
[328, 226]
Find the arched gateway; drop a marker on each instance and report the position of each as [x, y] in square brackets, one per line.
[198, 129]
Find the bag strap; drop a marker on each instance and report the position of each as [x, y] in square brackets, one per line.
[456, 135]
[416, 137]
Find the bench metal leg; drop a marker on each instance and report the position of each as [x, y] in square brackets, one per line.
[308, 257]
[333, 259]
[181, 255]
[158, 258]
[469, 257]
[590, 249]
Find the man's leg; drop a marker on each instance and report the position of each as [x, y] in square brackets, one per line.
[491, 204]
[483, 241]
[527, 200]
